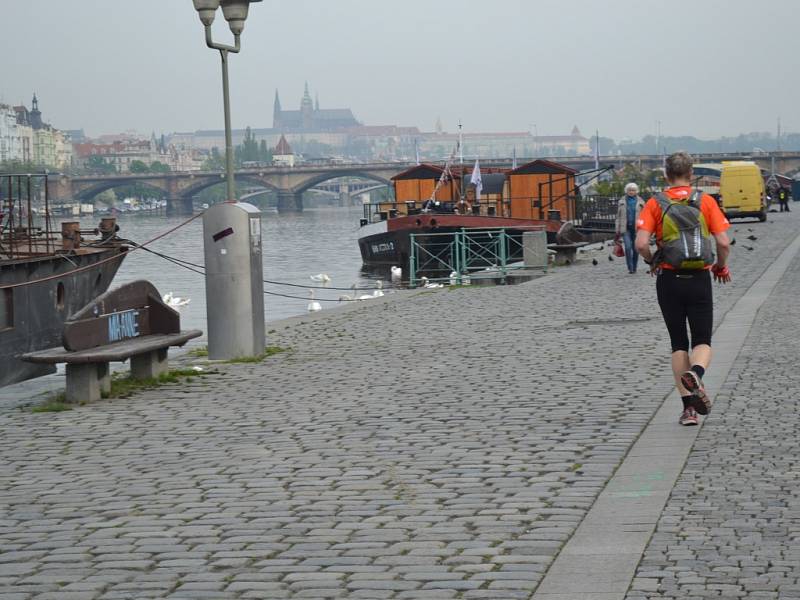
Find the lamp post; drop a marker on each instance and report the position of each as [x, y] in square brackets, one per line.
[232, 230]
[235, 13]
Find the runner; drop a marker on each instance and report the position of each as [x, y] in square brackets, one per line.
[683, 221]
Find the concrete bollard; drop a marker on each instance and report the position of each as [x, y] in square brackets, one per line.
[534, 249]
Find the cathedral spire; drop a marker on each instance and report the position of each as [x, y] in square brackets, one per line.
[276, 111]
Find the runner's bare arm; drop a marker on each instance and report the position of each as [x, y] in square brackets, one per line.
[642, 244]
[723, 248]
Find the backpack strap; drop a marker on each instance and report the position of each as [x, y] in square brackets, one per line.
[695, 199]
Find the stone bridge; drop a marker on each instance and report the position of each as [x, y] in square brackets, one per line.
[288, 182]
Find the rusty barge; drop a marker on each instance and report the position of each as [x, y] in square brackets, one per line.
[46, 274]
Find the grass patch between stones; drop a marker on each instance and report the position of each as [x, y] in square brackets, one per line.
[123, 385]
[268, 351]
[55, 403]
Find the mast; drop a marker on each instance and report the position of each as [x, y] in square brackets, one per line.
[461, 161]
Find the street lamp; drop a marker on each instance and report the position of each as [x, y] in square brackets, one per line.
[235, 12]
[232, 230]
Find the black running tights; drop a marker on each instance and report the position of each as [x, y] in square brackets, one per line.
[686, 296]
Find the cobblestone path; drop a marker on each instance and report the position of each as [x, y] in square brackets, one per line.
[441, 446]
[731, 528]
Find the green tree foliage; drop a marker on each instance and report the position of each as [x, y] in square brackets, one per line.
[18, 166]
[137, 166]
[159, 167]
[250, 150]
[215, 161]
[98, 164]
[646, 179]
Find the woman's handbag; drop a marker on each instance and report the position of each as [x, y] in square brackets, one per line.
[619, 251]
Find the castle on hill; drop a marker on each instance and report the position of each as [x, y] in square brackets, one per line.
[310, 118]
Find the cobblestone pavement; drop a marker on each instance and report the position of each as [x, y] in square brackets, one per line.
[441, 446]
[731, 528]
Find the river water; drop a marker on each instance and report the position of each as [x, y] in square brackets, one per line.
[295, 246]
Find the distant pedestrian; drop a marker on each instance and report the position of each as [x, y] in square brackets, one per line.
[684, 221]
[628, 209]
[783, 198]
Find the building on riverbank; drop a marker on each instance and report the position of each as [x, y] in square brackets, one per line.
[26, 137]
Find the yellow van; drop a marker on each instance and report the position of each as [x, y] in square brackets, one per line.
[741, 190]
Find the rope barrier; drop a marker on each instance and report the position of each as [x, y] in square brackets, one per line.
[190, 266]
[102, 261]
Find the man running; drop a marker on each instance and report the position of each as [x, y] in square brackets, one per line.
[683, 221]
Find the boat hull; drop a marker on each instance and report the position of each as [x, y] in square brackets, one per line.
[388, 243]
[32, 316]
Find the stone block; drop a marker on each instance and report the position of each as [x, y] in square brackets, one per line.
[149, 365]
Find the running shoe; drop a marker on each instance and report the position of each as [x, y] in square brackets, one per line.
[692, 382]
[688, 416]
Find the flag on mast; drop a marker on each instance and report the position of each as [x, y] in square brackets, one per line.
[514, 158]
[596, 150]
[476, 180]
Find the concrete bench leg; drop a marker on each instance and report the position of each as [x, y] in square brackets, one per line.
[85, 382]
[565, 257]
[149, 364]
[104, 378]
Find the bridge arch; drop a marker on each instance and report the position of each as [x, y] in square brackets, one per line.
[207, 182]
[323, 177]
[93, 190]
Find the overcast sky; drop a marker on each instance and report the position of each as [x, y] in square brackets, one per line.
[700, 67]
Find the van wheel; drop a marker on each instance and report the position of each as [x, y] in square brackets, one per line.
[762, 216]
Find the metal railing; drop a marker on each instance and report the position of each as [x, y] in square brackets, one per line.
[456, 256]
[24, 229]
[596, 213]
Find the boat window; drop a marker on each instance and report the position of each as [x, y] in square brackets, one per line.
[60, 296]
[6, 309]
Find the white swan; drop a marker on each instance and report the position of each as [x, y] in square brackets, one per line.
[428, 285]
[175, 301]
[379, 292]
[397, 272]
[321, 277]
[313, 305]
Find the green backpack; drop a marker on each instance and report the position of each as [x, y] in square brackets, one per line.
[685, 239]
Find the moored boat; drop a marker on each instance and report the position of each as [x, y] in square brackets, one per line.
[431, 199]
[45, 275]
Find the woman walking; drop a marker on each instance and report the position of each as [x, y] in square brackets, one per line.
[630, 205]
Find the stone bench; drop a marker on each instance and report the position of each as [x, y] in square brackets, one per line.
[88, 373]
[565, 253]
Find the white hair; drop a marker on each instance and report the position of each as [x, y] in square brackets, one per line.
[631, 187]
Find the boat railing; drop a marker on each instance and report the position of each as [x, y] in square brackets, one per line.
[596, 213]
[556, 208]
[25, 224]
[457, 257]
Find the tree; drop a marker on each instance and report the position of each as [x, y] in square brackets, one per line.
[646, 180]
[137, 166]
[97, 164]
[215, 161]
[159, 167]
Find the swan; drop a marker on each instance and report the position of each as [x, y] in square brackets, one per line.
[428, 285]
[321, 277]
[379, 292]
[397, 272]
[313, 305]
[175, 301]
